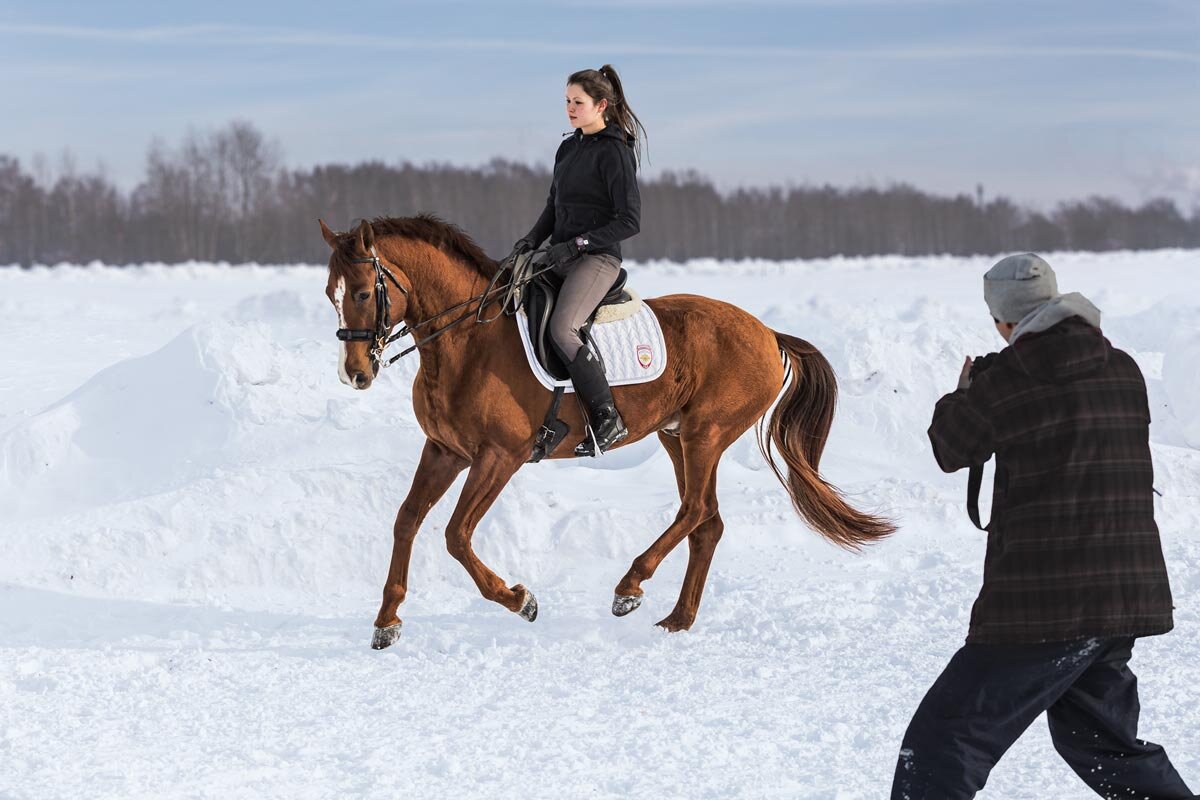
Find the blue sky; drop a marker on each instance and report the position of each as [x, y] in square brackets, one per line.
[1038, 99]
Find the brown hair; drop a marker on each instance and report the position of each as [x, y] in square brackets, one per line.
[605, 84]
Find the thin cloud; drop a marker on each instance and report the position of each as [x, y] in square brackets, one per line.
[171, 34]
[684, 4]
[228, 35]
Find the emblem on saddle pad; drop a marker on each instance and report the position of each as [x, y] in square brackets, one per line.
[645, 355]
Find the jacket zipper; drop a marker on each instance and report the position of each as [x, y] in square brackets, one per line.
[570, 159]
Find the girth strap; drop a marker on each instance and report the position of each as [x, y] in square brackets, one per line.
[553, 429]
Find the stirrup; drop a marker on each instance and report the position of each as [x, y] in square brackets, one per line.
[591, 446]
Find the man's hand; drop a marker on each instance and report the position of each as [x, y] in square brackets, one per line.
[964, 379]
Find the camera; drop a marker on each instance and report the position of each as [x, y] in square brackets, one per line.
[981, 364]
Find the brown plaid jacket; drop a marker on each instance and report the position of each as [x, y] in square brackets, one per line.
[1072, 550]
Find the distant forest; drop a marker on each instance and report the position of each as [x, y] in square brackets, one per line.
[226, 196]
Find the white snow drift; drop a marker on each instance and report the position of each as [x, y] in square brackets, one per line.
[196, 525]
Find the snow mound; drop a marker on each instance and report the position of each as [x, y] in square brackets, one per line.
[146, 424]
[1181, 380]
[231, 467]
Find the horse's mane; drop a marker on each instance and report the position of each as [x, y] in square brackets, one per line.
[445, 236]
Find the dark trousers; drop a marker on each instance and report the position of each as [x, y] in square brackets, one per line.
[989, 694]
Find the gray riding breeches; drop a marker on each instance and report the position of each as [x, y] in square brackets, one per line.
[585, 282]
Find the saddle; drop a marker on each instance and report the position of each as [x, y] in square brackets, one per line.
[538, 302]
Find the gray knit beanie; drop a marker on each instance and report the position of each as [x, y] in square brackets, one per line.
[1018, 285]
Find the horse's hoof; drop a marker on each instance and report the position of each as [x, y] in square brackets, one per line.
[385, 637]
[674, 624]
[528, 610]
[623, 604]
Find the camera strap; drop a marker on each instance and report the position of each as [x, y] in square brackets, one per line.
[974, 481]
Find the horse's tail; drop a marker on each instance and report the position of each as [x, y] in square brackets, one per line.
[798, 428]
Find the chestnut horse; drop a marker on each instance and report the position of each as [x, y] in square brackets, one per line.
[480, 407]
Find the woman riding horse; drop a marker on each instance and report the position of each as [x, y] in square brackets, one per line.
[594, 204]
[481, 407]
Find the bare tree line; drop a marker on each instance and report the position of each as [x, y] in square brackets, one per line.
[226, 196]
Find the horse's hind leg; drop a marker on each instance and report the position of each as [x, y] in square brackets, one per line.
[436, 471]
[695, 459]
[490, 471]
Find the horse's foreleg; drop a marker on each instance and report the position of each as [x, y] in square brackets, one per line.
[695, 461]
[436, 471]
[490, 471]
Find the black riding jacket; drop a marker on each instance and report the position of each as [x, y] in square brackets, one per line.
[594, 193]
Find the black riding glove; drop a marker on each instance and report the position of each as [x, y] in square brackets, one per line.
[561, 253]
[522, 246]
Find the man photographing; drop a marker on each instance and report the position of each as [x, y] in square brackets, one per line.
[1074, 570]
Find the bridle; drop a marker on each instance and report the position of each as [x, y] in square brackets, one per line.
[509, 294]
[383, 309]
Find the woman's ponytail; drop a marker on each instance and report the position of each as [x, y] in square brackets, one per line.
[611, 74]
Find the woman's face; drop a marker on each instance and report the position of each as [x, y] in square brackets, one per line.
[582, 110]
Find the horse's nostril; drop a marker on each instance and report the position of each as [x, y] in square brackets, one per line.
[360, 380]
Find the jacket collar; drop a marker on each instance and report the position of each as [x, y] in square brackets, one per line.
[607, 132]
[1066, 351]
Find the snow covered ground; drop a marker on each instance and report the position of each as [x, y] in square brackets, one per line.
[196, 521]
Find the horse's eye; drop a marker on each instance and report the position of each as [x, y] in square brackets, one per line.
[364, 297]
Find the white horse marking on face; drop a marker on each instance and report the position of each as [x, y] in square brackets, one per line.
[339, 296]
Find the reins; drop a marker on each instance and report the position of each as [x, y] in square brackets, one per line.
[521, 268]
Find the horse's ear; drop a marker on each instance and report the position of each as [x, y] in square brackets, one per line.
[366, 236]
[329, 236]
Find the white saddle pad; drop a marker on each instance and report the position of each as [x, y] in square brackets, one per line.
[633, 350]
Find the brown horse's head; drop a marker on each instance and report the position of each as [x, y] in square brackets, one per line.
[352, 290]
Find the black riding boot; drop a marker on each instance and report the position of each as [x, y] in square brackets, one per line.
[592, 387]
